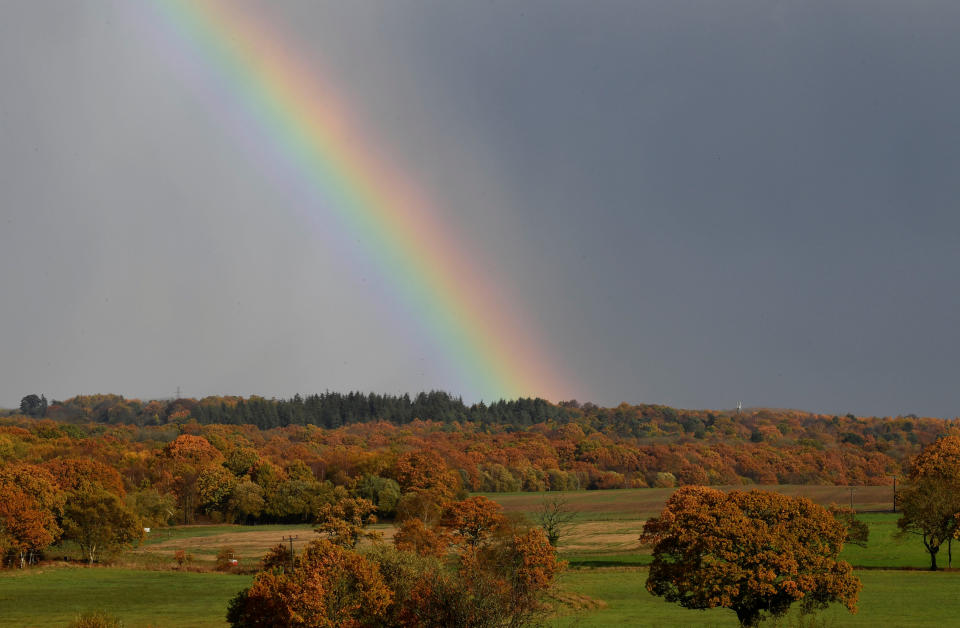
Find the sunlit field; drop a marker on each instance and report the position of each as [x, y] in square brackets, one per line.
[604, 581]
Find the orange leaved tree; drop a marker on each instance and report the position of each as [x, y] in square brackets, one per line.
[473, 520]
[24, 528]
[329, 586]
[486, 570]
[755, 553]
[479, 571]
[30, 504]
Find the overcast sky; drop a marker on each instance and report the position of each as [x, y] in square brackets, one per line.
[698, 203]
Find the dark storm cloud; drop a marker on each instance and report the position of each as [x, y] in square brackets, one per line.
[699, 202]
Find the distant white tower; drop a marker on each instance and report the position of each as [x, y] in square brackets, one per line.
[739, 406]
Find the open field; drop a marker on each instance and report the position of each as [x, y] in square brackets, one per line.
[608, 523]
[615, 543]
[641, 503]
[602, 546]
[889, 598]
[885, 549]
[249, 543]
[52, 596]
[203, 542]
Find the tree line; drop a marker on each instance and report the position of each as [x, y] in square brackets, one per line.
[329, 410]
[899, 436]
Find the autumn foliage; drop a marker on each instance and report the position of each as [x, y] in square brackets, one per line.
[930, 502]
[474, 520]
[330, 586]
[495, 574]
[413, 535]
[941, 460]
[525, 444]
[755, 553]
[254, 460]
[343, 522]
[97, 520]
[477, 568]
[24, 527]
[29, 511]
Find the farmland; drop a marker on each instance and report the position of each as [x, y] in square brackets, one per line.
[606, 573]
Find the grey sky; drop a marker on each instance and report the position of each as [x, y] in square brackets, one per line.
[699, 202]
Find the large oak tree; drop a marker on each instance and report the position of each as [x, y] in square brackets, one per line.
[755, 553]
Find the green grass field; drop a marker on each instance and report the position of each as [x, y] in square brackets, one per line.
[602, 547]
[889, 599]
[52, 596]
[886, 549]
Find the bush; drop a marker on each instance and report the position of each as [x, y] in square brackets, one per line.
[182, 557]
[278, 557]
[96, 619]
[331, 585]
[664, 479]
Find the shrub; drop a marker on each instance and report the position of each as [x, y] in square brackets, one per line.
[279, 556]
[182, 557]
[96, 619]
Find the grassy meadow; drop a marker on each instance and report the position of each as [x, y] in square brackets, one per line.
[53, 596]
[605, 579]
[889, 599]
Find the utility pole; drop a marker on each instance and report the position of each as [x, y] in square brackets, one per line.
[291, 539]
[894, 493]
[851, 498]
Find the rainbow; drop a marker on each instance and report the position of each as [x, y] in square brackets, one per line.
[496, 355]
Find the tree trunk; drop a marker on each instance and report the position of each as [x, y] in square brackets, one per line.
[748, 617]
[933, 558]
